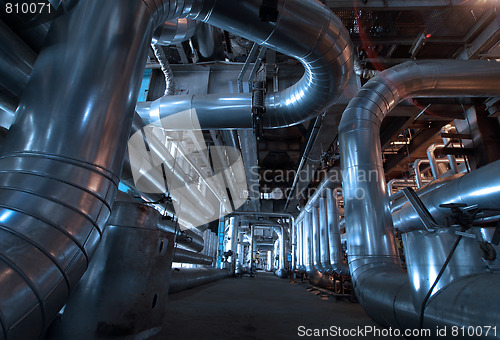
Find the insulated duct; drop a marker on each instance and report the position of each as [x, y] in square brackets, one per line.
[61, 161]
[174, 32]
[305, 30]
[380, 283]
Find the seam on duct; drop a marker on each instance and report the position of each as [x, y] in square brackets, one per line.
[58, 170]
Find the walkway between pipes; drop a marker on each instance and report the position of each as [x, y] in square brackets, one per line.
[262, 307]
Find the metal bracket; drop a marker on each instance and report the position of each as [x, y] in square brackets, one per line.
[425, 216]
[258, 108]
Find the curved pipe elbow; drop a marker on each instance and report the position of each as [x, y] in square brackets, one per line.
[173, 32]
[317, 38]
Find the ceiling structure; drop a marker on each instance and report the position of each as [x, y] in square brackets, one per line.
[384, 33]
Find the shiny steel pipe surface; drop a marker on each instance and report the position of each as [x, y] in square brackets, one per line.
[480, 187]
[399, 199]
[176, 31]
[17, 60]
[380, 283]
[425, 254]
[61, 161]
[314, 275]
[305, 30]
[127, 275]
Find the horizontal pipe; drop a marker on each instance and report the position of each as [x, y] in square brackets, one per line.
[188, 238]
[480, 187]
[305, 30]
[186, 278]
[399, 199]
[187, 256]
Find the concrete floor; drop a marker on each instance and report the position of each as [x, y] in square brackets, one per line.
[263, 307]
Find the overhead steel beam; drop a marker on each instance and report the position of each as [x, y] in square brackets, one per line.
[401, 4]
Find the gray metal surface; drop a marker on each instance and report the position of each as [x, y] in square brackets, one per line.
[176, 31]
[425, 254]
[17, 60]
[124, 291]
[305, 30]
[380, 283]
[62, 158]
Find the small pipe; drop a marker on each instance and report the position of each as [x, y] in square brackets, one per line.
[191, 257]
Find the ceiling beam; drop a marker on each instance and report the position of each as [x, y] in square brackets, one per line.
[399, 4]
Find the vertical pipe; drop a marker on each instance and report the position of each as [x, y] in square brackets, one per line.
[452, 160]
[308, 260]
[300, 245]
[432, 160]
[336, 255]
[316, 239]
[234, 222]
[324, 241]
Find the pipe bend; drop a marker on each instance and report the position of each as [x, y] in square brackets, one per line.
[368, 221]
[305, 30]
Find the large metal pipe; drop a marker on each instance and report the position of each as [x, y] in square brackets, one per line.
[336, 254]
[305, 30]
[379, 281]
[425, 254]
[186, 278]
[399, 199]
[480, 187]
[176, 31]
[61, 161]
[124, 289]
[17, 61]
